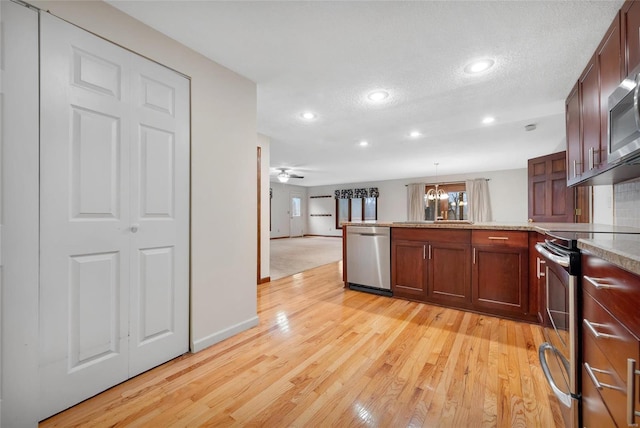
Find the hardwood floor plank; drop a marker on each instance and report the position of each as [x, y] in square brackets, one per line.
[323, 355]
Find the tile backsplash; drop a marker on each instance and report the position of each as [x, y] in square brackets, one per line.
[627, 203]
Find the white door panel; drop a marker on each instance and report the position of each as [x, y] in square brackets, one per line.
[160, 211]
[114, 215]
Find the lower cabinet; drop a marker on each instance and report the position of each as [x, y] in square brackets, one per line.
[430, 265]
[409, 269]
[610, 345]
[480, 270]
[500, 279]
[448, 278]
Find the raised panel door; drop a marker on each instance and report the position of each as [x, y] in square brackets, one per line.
[449, 273]
[114, 229]
[408, 269]
[631, 25]
[574, 144]
[550, 200]
[500, 279]
[589, 117]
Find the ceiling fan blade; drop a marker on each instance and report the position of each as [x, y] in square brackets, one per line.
[295, 176]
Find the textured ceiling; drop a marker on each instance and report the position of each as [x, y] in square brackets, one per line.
[326, 57]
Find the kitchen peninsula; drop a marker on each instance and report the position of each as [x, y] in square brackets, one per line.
[491, 268]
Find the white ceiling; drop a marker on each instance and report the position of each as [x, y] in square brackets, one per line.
[326, 57]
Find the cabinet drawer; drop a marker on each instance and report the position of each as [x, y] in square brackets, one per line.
[594, 412]
[508, 238]
[606, 332]
[615, 288]
[431, 235]
[601, 375]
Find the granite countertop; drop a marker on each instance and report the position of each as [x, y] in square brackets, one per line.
[524, 226]
[616, 244]
[619, 249]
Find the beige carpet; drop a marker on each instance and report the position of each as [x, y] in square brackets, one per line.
[293, 255]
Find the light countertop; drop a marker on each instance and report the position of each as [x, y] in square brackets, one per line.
[616, 244]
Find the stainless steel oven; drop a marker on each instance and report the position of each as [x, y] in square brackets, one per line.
[559, 355]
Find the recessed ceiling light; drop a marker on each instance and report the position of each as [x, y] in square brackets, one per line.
[479, 66]
[378, 95]
[487, 120]
[364, 143]
[415, 134]
[307, 115]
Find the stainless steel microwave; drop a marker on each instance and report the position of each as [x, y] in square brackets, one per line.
[624, 122]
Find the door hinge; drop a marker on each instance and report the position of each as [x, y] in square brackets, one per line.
[578, 211]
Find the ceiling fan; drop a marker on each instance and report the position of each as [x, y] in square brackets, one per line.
[285, 175]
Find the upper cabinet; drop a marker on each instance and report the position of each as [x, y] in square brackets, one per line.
[587, 107]
[630, 20]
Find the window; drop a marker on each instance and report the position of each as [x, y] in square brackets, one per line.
[356, 209]
[455, 207]
[296, 204]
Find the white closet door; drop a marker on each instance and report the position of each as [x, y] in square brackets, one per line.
[159, 214]
[114, 230]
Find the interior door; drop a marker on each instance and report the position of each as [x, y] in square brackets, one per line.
[113, 212]
[295, 215]
[159, 215]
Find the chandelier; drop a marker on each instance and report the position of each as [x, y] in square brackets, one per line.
[436, 192]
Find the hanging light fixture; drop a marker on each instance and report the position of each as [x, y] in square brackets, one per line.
[283, 177]
[436, 192]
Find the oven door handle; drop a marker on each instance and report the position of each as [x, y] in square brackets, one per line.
[562, 261]
[565, 398]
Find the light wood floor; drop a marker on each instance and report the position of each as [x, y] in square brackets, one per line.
[329, 357]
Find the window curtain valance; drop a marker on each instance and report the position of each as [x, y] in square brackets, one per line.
[364, 192]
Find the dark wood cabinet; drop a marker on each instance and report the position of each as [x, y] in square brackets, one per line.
[500, 281]
[588, 87]
[630, 17]
[537, 279]
[449, 272]
[587, 105]
[409, 269]
[574, 142]
[430, 265]
[437, 266]
[610, 331]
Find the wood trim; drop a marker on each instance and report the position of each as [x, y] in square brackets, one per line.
[264, 280]
[259, 214]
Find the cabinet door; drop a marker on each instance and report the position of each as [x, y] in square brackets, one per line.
[408, 269]
[574, 146]
[589, 117]
[500, 279]
[631, 26]
[449, 273]
[610, 67]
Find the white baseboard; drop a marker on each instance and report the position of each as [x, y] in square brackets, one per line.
[219, 336]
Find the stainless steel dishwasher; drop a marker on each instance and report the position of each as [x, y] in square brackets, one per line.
[369, 259]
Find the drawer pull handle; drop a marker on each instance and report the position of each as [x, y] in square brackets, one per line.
[591, 326]
[539, 264]
[632, 372]
[599, 285]
[591, 371]
[499, 238]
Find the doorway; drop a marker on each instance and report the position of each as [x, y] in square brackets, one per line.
[296, 226]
